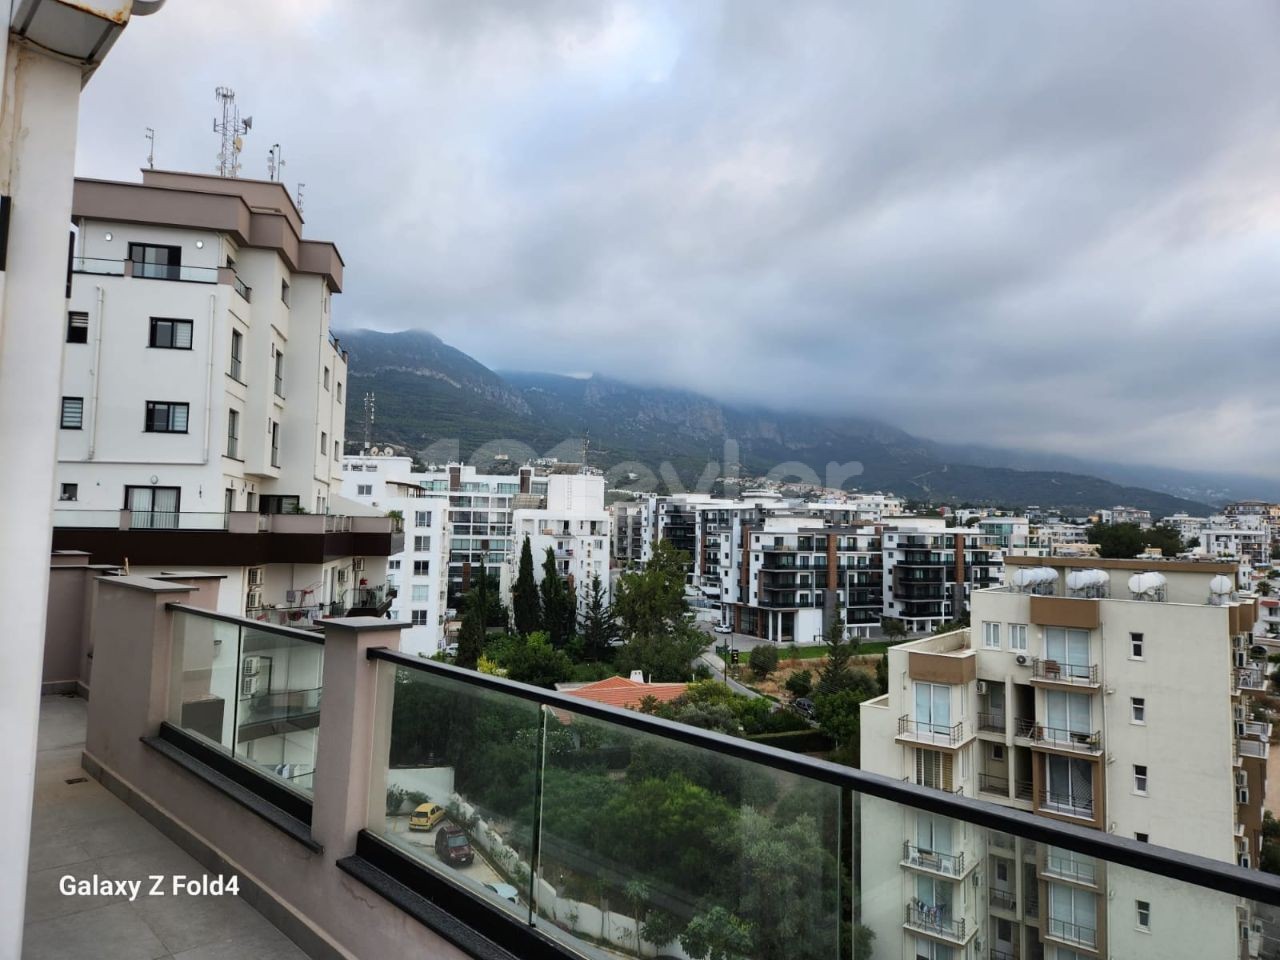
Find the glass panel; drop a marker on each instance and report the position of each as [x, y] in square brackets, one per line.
[460, 768]
[278, 711]
[202, 692]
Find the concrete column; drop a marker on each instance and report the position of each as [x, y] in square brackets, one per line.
[352, 745]
[38, 110]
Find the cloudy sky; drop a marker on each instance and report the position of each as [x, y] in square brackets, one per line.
[1043, 225]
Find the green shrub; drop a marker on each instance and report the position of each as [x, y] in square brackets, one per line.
[763, 660]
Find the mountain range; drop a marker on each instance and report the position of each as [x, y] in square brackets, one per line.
[440, 404]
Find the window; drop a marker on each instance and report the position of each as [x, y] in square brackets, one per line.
[934, 769]
[1070, 785]
[991, 636]
[237, 354]
[1018, 637]
[1068, 650]
[275, 444]
[338, 392]
[156, 262]
[77, 327]
[421, 593]
[1072, 914]
[284, 292]
[1135, 646]
[422, 518]
[1140, 779]
[997, 751]
[69, 491]
[933, 708]
[164, 416]
[418, 617]
[1067, 717]
[1137, 709]
[1143, 909]
[421, 567]
[324, 442]
[393, 564]
[72, 413]
[326, 378]
[364, 489]
[280, 374]
[170, 334]
[1142, 837]
[337, 449]
[233, 433]
[421, 543]
[152, 507]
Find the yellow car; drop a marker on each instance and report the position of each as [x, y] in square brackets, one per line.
[425, 816]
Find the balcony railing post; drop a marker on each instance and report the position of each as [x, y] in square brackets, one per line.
[349, 731]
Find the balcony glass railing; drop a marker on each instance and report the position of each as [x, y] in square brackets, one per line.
[251, 691]
[97, 265]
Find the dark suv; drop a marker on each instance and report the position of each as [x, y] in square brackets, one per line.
[452, 845]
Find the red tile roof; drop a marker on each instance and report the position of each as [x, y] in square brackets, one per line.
[623, 692]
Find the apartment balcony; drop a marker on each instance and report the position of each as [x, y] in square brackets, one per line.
[932, 861]
[1254, 730]
[237, 538]
[1070, 804]
[998, 954]
[1056, 673]
[139, 270]
[999, 787]
[1006, 900]
[1249, 678]
[991, 722]
[321, 835]
[1058, 738]
[1072, 869]
[936, 922]
[1075, 934]
[936, 734]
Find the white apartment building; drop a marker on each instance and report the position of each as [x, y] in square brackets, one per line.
[930, 570]
[635, 530]
[202, 413]
[418, 574]
[1116, 515]
[571, 522]
[1112, 694]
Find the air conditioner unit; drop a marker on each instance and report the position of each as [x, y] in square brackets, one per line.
[251, 666]
[1021, 659]
[249, 686]
[255, 576]
[253, 600]
[1241, 659]
[1240, 728]
[1239, 712]
[1242, 795]
[982, 688]
[1245, 861]
[357, 564]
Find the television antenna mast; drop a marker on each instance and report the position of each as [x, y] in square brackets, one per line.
[151, 150]
[368, 421]
[231, 129]
[275, 163]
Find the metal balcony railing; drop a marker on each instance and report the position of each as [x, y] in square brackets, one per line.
[1069, 803]
[1070, 868]
[923, 730]
[1071, 932]
[1004, 900]
[1084, 674]
[950, 864]
[935, 919]
[994, 722]
[1061, 738]
[996, 785]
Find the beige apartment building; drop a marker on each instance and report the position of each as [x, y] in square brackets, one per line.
[1109, 694]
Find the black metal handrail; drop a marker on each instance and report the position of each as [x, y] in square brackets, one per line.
[1065, 802]
[1082, 673]
[1190, 868]
[992, 784]
[1072, 932]
[258, 625]
[940, 733]
[1061, 737]
[991, 721]
[935, 918]
[1004, 899]
[951, 864]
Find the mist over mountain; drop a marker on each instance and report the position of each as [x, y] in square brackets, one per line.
[430, 395]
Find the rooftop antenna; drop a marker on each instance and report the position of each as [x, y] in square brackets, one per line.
[275, 163]
[368, 421]
[151, 150]
[232, 130]
[586, 447]
[298, 201]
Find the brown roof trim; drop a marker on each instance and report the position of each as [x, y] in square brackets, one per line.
[1101, 563]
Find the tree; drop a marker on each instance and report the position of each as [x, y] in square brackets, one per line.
[1117, 540]
[800, 683]
[597, 627]
[663, 657]
[652, 600]
[526, 606]
[838, 714]
[763, 660]
[476, 612]
[834, 672]
[882, 674]
[534, 660]
[893, 628]
[1165, 538]
[558, 607]
[717, 935]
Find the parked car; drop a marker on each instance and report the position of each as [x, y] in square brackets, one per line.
[449, 649]
[722, 628]
[425, 816]
[805, 706]
[504, 890]
[453, 847]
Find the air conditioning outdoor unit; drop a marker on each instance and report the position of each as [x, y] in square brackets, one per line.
[251, 666]
[1239, 713]
[1239, 728]
[982, 688]
[249, 686]
[1021, 659]
[1241, 660]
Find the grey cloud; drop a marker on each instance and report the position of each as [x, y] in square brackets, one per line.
[1019, 223]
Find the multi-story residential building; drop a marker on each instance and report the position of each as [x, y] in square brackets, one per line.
[1188, 527]
[202, 413]
[418, 573]
[1253, 546]
[930, 571]
[1007, 532]
[1117, 515]
[635, 530]
[1112, 694]
[571, 522]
